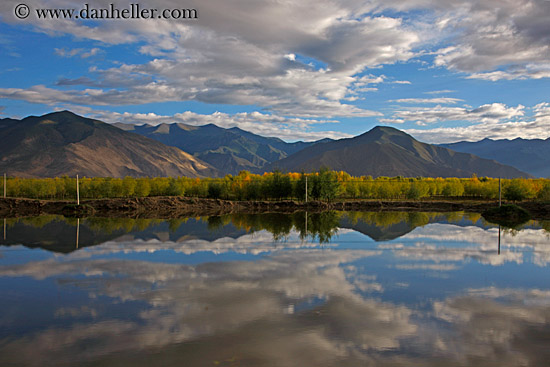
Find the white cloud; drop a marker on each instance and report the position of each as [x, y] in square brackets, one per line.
[391, 121]
[530, 71]
[536, 126]
[82, 53]
[237, 54]
[497, 33]
[492, 113]
[441, 100]
[444, 91]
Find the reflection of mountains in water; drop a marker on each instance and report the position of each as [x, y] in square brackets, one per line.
[59, 234]
[386, 226]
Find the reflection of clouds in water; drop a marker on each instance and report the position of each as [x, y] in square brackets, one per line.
[484, 250]
[437, 253]
[245, 301]
[256, 243]
[507, 326]
[486, 237]
[436, 267]
[289, 308]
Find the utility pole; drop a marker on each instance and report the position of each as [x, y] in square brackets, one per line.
[77, 192]
[306, 188]
[499, 194]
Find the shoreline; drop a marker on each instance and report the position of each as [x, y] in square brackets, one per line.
[174, 206]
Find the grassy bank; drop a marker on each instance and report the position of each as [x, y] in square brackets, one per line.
[174, 207]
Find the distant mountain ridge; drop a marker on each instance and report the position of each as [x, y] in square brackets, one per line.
[385, 151]
[530, 155]
[63, 143]
[229, 150]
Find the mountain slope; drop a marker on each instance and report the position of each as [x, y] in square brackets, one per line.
[62, 143]
[385, 151]
[532, 156]
[229, 150]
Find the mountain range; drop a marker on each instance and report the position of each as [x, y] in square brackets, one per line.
[531, 155]
[63, 143]
[229, 150]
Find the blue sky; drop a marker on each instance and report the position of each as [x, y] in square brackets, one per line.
[441, 70]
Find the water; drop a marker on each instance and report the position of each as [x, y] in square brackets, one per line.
[331, 289]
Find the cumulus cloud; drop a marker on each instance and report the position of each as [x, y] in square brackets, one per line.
[243, 55]
[492, 40]
[535, 126]
[498, 33]
[488, 113]
[527, 72]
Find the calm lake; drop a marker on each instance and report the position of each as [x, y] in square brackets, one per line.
[329, 289]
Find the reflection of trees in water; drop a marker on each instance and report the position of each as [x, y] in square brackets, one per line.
[322, 226]
[387, 219]
[545, 224]
[103, 225]
[110, 225]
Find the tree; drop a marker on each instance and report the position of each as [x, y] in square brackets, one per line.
[279, 185]
[214, 190]
[515, 190]
[544, 192]
[142, 188]
[329, 185]
[128, 186]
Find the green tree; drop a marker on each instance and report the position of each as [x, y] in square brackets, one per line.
[329, 185]
[515, 190]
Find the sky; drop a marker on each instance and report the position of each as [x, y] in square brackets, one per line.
[441, 70]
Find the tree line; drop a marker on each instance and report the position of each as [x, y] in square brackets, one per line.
[323, 185]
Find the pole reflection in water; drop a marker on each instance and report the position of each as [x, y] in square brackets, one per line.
[499, 239]
[77, 230]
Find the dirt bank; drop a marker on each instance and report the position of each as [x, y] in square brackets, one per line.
[171, 207]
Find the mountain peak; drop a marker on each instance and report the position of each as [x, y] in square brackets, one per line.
[386, 151]
[65, 114]
[384, 134]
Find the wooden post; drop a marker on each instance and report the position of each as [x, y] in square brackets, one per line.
[306, 188]
[4, 185]
[77, 192]
[499, 194]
